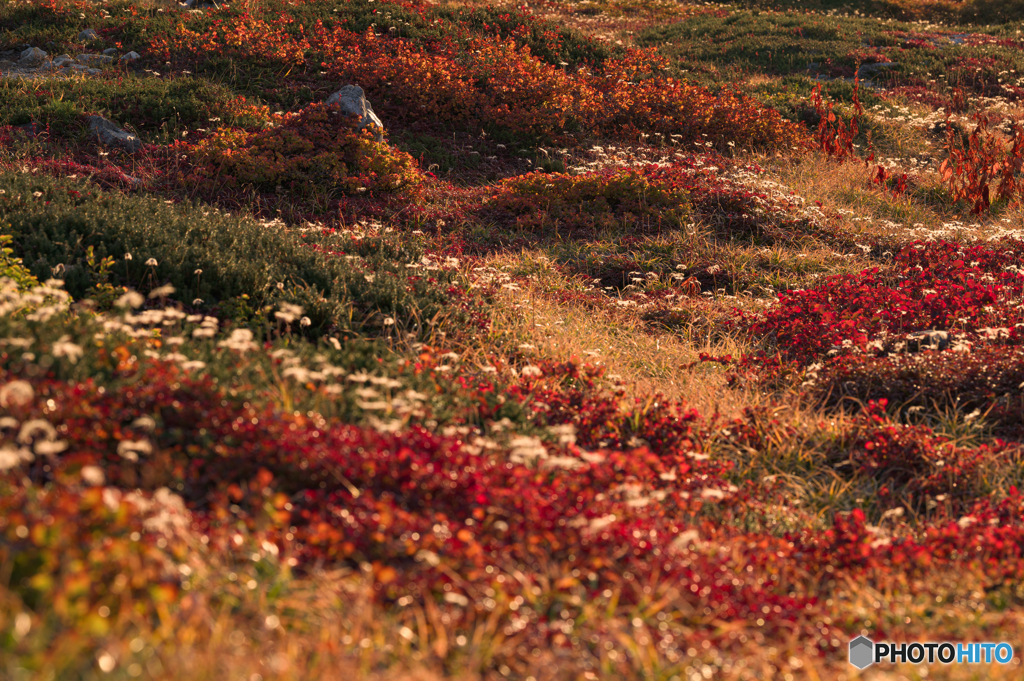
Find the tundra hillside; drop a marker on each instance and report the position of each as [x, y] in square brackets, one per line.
[565, 341]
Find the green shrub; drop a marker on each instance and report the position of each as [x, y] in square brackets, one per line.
[11, 267]
[776, 42]
[149, 105]
[344, 283]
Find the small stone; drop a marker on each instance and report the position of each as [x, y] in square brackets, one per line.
[920, 340]
[131, 56]
[33, 56]
[87, 35]
[112, 136]
[30, 129]
[95, 60]
[110, 51]
[63, 60]
[352, 101]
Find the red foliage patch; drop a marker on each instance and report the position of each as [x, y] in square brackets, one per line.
[967, 290]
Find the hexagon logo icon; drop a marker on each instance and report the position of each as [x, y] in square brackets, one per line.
[862, 652]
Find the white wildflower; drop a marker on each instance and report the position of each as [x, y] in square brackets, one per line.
[525, 448]
[162, 291]
[92, 475]
[16, 393]
[130, 449]
[567, 462]
[11, 457]
[240, 340]
[65, 348]
[144, 422]
[289, 312]
[50, 447]
[684, 540]
[566, 433]
[131, 299]
[36, 429]
[598, 524]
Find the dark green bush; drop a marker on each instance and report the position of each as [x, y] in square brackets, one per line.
[343, 283]
[149, 105]
[716, 48]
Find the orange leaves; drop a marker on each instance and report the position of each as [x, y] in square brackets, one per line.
[243, 36]
[472, 80]
[314, 149]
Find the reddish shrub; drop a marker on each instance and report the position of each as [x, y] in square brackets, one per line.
[945, 286]
[987, 380]
[316, 149]
[972, 171]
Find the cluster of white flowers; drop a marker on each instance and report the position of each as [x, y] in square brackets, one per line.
[31, 439]
[43, 302]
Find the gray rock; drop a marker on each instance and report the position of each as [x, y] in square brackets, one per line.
[95, 60]
[63, 60]
[30, 129]
[87, 35]
[131, 56]
[112, 136]
[110, 51]
[352, 100]
[919, 340]
[868, 70]
[33, 56]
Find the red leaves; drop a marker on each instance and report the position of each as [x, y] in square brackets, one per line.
[835, 136]
[972, 171]
[930, 286]
[896, 184]
[915, 460]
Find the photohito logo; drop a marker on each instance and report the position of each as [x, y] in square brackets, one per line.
[864, 652]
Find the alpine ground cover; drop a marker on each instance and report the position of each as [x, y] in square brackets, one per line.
[636, 347]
